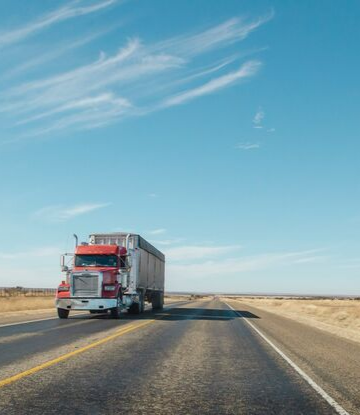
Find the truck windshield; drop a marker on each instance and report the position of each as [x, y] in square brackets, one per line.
[96, 261]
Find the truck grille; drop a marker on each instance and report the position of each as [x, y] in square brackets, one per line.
[85, 285]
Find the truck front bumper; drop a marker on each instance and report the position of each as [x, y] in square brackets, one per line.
[86, 303]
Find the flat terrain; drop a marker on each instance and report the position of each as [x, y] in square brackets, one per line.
[340, 317]
[197, 357]
[19, 303]
[41, 303]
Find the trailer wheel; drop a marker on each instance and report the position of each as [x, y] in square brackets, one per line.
[63, 313]
[157, 300]
[116, 311]
[161, 301]
[142, 303]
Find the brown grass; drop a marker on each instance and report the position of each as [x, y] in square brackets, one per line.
[340, 317]
[21, 303]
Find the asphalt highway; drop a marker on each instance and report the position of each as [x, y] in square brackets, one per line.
[198, 357]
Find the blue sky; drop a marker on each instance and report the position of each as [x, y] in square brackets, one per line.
[225, 132]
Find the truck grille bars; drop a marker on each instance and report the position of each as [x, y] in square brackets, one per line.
[86, 284]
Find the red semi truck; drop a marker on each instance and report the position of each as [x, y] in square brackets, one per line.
[113, 271]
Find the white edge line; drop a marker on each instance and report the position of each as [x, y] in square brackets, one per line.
[35, 321]
[55, 318]
[338, 408]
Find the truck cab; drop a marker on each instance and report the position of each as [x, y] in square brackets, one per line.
[96, 281]
[109, 276]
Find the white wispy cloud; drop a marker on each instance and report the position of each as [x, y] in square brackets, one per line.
[193, 252]
[33, 253]
[78, 83]
[247, 146]
[248, 69]
[159, 231]
[56, 16]
[134, 81]
[167, 242]
[258, 118]
[103, 102]
[230, 266]
[63, 213]
[225, 34]
[270, 130]
[311, 259]
[45, 56]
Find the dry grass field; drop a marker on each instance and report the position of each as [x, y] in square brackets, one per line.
[174, 298]
[340, 317]
[22, 303]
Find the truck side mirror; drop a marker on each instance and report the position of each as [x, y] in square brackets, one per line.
[128, 261]
[64, 268]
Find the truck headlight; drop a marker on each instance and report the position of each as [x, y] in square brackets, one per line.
[109, 287]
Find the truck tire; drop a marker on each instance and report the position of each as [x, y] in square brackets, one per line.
[161, 304]
[142, 303]
[116, 311]
[138, 308]
[157, 300]
[63, 313]
[134, 308]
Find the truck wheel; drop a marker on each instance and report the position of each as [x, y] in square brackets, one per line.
[134, 308]
[161, 301]
[116, 311]
[157, 301]
[63, 313]
[142, 303]
[137, 308]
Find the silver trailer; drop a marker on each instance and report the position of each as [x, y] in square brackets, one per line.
[145, 281]
[105, 276]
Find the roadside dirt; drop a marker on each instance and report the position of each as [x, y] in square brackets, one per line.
[340, 317]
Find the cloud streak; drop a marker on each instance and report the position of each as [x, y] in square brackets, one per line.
[193, 252]
[62, 213]
[33, 253]
[63, 13]
[247, 70]
[134, 81]
[239, 265]
[167, 242]
[159, 231]
[247, 146]
[59, 50]
[258, 118]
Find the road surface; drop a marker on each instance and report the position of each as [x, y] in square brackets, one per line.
[198, 357]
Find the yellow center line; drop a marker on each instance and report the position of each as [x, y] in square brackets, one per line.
[66, 356]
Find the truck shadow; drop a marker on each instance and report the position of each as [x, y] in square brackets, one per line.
[174, 314]
[181, 313]
[203, 314]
